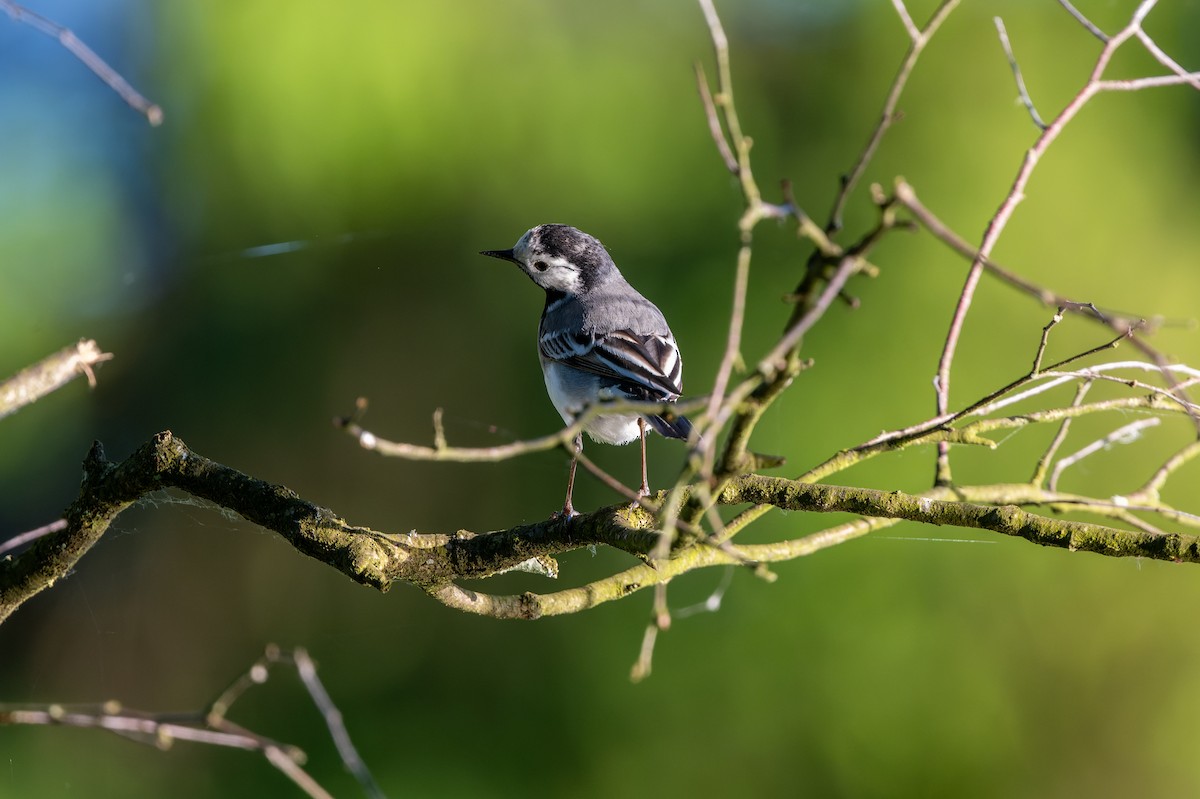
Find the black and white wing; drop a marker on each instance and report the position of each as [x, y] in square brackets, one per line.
[642, 366]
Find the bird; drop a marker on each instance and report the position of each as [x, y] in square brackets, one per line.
[598, 340]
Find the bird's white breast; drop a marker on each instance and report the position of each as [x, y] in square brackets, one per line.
[571, 390]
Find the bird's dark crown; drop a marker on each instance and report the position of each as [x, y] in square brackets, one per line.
[564, 241]
[561, 259]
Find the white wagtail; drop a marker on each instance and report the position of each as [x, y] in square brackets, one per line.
[598, 340]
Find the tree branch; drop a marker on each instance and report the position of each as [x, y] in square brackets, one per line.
[434, 562]
[50, 374]
[210, 726]
[76, 47]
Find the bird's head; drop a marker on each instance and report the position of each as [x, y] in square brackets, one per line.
[560, 259]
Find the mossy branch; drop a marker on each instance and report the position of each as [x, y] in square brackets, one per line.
[435, 562]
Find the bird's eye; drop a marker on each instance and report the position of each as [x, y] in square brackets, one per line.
[541, 266]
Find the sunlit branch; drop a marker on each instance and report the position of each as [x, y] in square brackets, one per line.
[999, 221]
[918, 41]
[1042, 468]
[1122, 435]
[50, 374]
[441, 452]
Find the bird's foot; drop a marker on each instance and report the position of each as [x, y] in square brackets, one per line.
[642, 493]
[567, 513]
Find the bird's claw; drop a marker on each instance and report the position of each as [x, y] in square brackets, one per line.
[566, 514]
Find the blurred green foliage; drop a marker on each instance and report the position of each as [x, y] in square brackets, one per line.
[392, 141]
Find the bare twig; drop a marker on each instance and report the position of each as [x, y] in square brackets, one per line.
[1159, 478]
[134, 725]
[307, 669]
[1122, 435]
[775, 360]
[18, 541]
[714, 121]
[50, 374]
[1041, 350]
[1117, 322]
[1154, 82]
[1022, 92]
[986, 404]
[723, 100]
[1043, 465]
[1096, 372]
[906, 19]
[645, 503]
[152, 112]
[660, 621]
[918, 41]
[441, 452]
[731, 356]
[1191, 78]
[642, 666]
[211, 726]
[1157, 400]
[711, 603]
[999, 220]
[1084, 21]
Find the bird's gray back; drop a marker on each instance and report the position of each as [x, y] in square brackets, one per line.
[617, 306]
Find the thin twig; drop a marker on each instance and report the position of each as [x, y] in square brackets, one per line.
[1056, 378]
[50, 374]
[1122, 435]
[334, 722]
[132, 724]
[18, 541]
[1154, 485]
[1161, 56]
[300, 660]
[1117, 322]
[731, 356]
[439, 432]
[1041, 350]
[660, 621]
[775, 360]
[211, 727]
[723, 99]
[713, 602]
[75, 46]
[1084, 21]
[642, 666]
[1153, 82]
[1158, 400]
[918, 41]
[1022, 92]
[1138, 522]
[989, 402]
[441, 452]
[906, 19]
[645, 503]
[999, 220]
[714, 121]
[1043, 465]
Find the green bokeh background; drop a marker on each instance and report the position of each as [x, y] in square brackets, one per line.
[395, 140]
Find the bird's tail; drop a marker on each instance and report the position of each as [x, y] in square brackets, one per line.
[676, 427]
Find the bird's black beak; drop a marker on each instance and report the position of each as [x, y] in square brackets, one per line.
[503, 255]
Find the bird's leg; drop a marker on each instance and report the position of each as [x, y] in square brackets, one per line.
[644, 490]
[568, 509]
